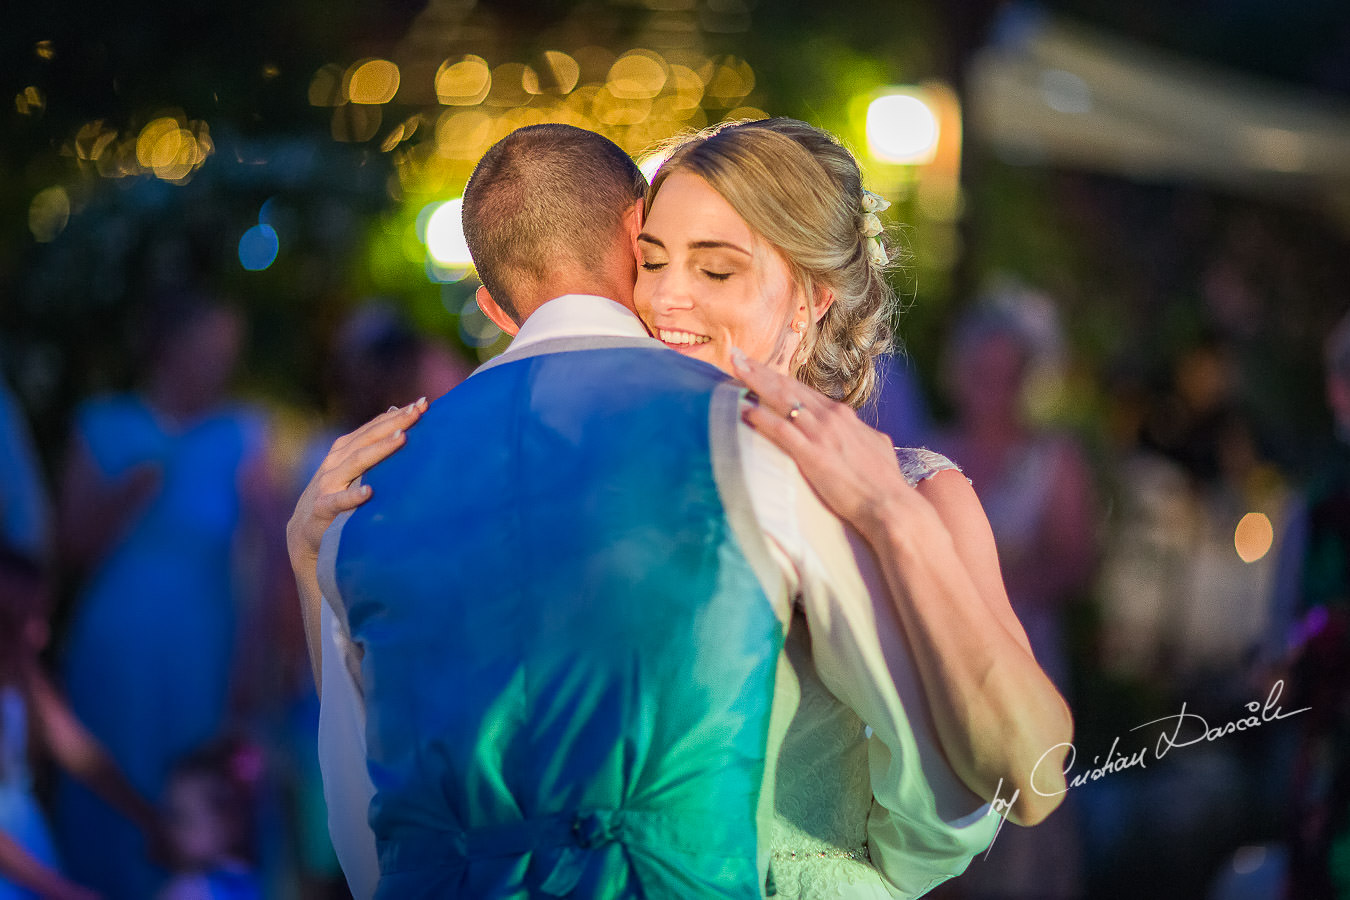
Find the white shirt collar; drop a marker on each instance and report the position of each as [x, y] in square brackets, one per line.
[579, 315]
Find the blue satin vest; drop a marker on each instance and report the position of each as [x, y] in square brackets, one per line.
[569, 659]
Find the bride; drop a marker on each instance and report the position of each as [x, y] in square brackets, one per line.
[761, 254]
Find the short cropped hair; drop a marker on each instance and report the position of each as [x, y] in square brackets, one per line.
[544, 197]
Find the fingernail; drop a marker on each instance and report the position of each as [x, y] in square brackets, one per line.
[391, 409]
[365, 490]
[421, 403]
[739, 359]
[398, 434]
[745, 417]
[752, 398]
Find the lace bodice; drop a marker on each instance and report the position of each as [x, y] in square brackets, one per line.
[823, 790]
[918, 463]
[822, 793]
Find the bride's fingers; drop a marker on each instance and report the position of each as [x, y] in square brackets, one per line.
[779, 430]
[380, 426]
[342, 472]
[778, 392]
[328, 506]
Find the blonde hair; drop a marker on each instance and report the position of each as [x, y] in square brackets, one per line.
[801, 190]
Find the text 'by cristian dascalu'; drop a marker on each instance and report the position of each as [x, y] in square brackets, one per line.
[1184, 729]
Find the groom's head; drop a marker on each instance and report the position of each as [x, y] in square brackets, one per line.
[551, 210]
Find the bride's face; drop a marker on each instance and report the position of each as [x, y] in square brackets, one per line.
[708, 283]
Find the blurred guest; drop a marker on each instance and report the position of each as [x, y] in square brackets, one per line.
[209, 814]
[34, 715]
[1183, 604]
[25, 516]
[378, 361]
[151, 504]
[1310, 638]
[1037, 490]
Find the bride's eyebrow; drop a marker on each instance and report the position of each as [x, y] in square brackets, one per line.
[698, 245]
[717, 245]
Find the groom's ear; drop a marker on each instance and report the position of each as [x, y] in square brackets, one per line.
[632, 226]
[495, 312]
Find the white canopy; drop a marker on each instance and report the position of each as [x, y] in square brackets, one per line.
[1067, 95]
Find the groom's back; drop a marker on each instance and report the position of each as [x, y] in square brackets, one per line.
[568, 661]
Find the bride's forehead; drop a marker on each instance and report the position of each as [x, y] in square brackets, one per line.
[688, 204]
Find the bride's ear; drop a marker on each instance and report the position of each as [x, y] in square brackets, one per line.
[495, 312]
[824, 299]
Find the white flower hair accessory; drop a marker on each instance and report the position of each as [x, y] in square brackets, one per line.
[872, 228]
[876, 254]
[874, 203]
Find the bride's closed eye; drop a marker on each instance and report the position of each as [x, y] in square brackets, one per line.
[653, 266]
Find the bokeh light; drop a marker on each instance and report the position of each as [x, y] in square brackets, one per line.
[30, 101]
[637, 75]
[463, 83]
[372, 81]
[651, 163]
[325, 88]
[445, 236]
[258, 247]
[562, 71]
[169, 146]
[1253, 537]
[48, 214]
[902, 129]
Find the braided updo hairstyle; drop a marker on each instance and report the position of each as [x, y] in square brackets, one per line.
[801, 190]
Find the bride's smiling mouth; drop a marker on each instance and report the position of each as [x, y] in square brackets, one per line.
[678, 339]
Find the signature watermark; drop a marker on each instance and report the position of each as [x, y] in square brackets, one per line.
[1183, 729]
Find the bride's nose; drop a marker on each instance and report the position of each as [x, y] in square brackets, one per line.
[670, 291]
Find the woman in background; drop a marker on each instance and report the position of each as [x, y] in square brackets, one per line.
[156, 486]
[1037, 491]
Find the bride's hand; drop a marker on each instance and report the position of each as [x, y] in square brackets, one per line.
[849, 464]
[331, 492]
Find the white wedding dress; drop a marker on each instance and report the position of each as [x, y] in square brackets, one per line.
[823, 790]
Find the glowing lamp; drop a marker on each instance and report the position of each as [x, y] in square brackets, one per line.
[445, 236]
[902, 129]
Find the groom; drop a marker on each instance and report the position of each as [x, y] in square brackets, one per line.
[571, 589]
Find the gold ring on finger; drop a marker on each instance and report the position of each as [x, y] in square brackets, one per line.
[793, 413]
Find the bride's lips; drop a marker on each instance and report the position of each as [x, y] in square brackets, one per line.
[677, 339]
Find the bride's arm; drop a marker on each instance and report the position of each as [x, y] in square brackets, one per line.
[329, 493]
[998, 717]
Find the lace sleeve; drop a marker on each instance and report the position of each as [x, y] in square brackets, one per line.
[918, 463]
